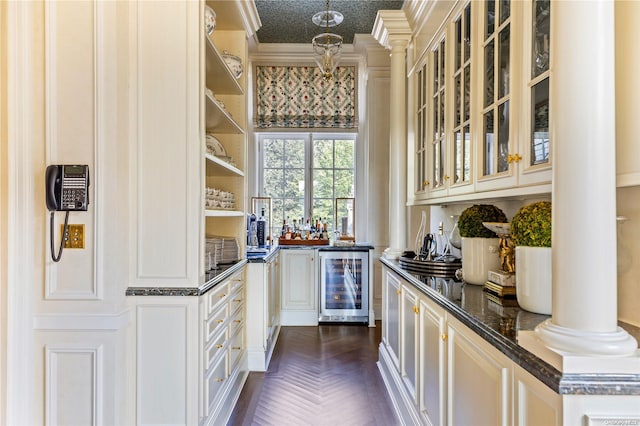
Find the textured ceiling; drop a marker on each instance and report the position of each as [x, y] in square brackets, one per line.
[289, 21]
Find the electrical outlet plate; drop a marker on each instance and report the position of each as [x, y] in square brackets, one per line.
[74, 238]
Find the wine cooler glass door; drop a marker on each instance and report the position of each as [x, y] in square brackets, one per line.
[344, 286]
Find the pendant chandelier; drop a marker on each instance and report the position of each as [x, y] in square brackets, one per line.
[327, 46]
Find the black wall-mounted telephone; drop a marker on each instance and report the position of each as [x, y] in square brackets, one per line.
[66, 189]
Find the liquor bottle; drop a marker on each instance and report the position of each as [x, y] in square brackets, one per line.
[262, 230]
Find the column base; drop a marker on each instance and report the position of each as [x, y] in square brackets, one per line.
[575, 351]
[392, 253]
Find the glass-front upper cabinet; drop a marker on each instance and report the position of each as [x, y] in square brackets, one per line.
[438, 136]
[461, 137]
[536, 162]
[496, 152]
[422, 107]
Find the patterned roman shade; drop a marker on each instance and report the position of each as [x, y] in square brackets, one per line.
[298, 97]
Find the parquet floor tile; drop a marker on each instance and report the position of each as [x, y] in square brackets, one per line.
[319, 376]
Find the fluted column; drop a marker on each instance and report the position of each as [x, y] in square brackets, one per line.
[392, 30]
[584, 319]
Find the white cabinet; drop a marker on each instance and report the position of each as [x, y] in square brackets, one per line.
[448, 374]
[409, 339]
[299, 291]
[533, 402]
[480, 96]
[263, 319]
[478, 379]
[432, 356]
[223, 368]
[391, 316]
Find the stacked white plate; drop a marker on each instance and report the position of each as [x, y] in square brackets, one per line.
[221, 250]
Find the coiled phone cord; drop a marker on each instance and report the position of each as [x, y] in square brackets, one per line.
[57, 257]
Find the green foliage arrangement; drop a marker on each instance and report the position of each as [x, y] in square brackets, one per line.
[531, 226]
[471, 218]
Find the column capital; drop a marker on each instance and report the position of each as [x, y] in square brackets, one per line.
[391, 28]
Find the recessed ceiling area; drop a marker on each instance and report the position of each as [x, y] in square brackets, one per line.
[289, 21]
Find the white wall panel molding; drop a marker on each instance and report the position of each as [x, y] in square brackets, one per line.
[166, 163]
[167, 361]
[20, 218]
[71, 322]
[74, 90]
[74, 377]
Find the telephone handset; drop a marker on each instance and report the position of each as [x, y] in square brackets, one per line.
[67, 189]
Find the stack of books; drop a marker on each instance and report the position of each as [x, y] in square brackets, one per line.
[501, 289]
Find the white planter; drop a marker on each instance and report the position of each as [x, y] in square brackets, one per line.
[479, 256]
[533, 279]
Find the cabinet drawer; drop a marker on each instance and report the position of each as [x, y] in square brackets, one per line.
[236, 282]
[216, 297]
[236, 321]
[236, 302]
[215, 322]
[214, 382]
[236, 346]
[213, 348]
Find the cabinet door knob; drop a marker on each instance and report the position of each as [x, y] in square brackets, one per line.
[425, 183]
[219, 380]
[446, 177]
[513, 158]
[220, 321]
[222, 296]
[219, 346]
[444, 336]
[398, 292]
[416, 309]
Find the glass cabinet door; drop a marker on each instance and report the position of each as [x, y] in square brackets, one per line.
[496, 88]
[539, 83]
[422, 182]
[438, 113]
[462, 99]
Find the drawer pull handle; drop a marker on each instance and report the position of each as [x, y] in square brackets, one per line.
[236, 348]
[220, 321]
[223, 296]
[236, 321]
[219, 380]
[237, 300]
[218, 346]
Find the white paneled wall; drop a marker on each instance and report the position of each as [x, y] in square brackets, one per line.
[65, 322]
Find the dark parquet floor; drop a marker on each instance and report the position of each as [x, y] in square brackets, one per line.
[319, 376]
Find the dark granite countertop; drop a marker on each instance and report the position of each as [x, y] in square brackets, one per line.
[499, 326]
[272, 250]
[209, 281]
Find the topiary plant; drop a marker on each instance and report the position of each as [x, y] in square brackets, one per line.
[470, 221]
[531, 226]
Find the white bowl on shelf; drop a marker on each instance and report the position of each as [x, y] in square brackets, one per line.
[234, 63]
[209, 20]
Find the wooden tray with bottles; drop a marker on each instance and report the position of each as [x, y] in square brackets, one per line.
[295, 242]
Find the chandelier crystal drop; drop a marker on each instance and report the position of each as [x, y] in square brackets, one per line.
[327, 46]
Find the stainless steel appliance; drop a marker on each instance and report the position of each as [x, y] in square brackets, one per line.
[344, 286]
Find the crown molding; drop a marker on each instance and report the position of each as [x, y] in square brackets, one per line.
[391, 26]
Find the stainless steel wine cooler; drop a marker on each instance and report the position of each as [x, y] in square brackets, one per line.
[344, 286]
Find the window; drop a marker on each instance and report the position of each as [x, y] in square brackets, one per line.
[303, 173]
